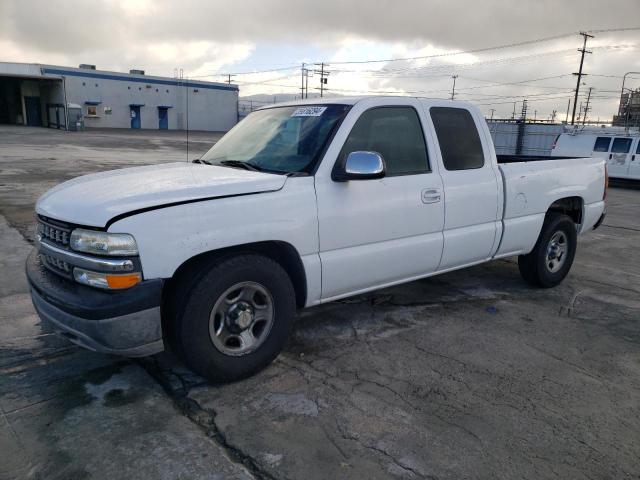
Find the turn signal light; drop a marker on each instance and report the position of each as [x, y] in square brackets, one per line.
[123, 281]
[109, 281]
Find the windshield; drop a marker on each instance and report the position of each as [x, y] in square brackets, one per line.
[279, 140]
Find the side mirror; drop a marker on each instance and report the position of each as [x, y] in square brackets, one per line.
[359, 166]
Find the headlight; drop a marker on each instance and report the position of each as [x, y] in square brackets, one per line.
[106, 280]
[103, 243]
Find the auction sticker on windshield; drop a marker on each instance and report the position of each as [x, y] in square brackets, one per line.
[308, 111]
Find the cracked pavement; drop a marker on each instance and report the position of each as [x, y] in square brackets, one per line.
[470, 374]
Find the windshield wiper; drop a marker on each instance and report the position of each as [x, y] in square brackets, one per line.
[200, 160]
[240, 164]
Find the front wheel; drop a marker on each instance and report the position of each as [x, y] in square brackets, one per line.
[237, 318]
[551, 258]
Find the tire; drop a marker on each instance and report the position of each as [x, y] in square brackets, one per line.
[558, 238]
[242, 289]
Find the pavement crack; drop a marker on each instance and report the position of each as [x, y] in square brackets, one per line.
[390, 457]
[565, 361]
[631, 229]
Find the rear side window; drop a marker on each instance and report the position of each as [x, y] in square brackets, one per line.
[602, 144]
[458, 138]
[393, 132]
[621, 145]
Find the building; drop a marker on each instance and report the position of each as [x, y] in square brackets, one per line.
[36, 95]
[629, 110]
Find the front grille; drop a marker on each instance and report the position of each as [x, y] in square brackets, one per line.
[55, 264]
[57, 233]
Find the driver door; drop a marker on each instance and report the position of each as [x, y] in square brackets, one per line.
[378, 232]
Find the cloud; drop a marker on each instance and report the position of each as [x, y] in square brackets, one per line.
[205, 36]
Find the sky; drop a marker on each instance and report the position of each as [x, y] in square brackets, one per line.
[413, 47]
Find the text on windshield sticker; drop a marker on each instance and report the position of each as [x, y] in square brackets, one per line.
[308, 111]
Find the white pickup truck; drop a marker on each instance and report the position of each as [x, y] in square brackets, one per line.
[299, 204]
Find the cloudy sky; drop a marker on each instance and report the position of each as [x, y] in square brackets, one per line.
[413, 46]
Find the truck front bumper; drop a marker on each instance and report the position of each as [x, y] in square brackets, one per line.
[122, 322]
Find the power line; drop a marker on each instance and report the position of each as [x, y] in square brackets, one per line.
[424, 57]
[485, 49]
[462, 52]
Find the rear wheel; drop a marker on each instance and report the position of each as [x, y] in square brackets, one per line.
[236, 318]
[551, 258]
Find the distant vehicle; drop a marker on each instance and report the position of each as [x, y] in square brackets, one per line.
[621, 150]
[299, 204]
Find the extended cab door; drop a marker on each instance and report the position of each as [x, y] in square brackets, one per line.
[380, 231]
[471, 188]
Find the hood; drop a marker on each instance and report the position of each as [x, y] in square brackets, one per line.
[93, 200]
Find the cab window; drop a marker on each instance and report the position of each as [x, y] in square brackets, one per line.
[458, 137]
[396, 134]
[621, 145]
[602, 144]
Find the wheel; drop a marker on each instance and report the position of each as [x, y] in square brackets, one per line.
[236, 318]
[551, 258]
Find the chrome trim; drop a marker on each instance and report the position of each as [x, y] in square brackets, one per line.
[82, 261]
[362, 163]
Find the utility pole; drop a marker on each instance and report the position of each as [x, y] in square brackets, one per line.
[566, 119]
[513, 115]
[553, 115]
[229, 75]
[586, 107]
[524, 111]
[535, 115]
[492, 110]
[583, 50]
[453, 91]
[302, 75]
[323, 78]
[579, 112]
[521, 127]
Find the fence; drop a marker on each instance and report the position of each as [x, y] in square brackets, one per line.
[517, 138]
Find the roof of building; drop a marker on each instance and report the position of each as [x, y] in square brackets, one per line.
[36, 70]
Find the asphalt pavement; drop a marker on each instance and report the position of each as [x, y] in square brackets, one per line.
[471, 374]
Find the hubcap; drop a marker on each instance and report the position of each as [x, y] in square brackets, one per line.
[557, 251]
[241, 318]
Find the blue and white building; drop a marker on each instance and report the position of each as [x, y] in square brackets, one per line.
[36, 95]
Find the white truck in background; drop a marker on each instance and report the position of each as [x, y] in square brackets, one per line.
[299, 204]
[618, 146]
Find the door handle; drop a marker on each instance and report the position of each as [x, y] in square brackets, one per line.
[610, 156]
[431, 195]
[633, 157]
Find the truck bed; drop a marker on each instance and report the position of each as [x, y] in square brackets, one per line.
[530, 186]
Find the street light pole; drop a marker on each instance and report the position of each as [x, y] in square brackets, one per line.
[624, 78]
